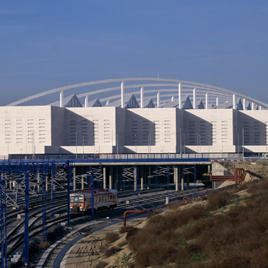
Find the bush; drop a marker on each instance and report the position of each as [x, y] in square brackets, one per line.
[218, 199]
[101, 264]
[111, 237]
[111, 251]
[130, 230]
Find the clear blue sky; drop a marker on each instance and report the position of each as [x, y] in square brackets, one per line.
[48, 44]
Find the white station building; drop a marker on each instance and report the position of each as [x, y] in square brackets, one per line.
[135, 115]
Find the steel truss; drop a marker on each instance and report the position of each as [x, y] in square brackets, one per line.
[19, 182]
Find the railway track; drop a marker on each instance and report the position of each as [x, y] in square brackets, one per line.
[127, 200]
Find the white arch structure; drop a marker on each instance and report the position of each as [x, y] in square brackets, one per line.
[167, 87]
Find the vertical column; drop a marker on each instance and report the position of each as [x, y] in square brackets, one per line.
[135, 178]
[158, 100]
[46, 183]
[82, 183]
[234, 102]
[110, 178]
[142, 178]
[61, 98]
[38, 181]
[26, 221]
[141, 97]
[3, 217]
[86, 101]
[104, 177]
[122, 94]
[68, 193]
[252, 106]
[44, 206]
[194, 98]
[176, 178]
[179, 89]
[206, 100]
[217, 101]
[181, 178]
[74, 179]
[244, 104]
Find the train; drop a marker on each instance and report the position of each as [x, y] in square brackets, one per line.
[80, 202]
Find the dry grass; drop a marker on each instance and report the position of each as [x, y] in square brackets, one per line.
[199, 237]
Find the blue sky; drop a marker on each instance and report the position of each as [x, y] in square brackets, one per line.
[49, 44]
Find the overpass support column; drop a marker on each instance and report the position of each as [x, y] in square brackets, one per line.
[176, 181]
[142, 178]
[110, 177]
[38, 181]
[74, 181]
[181, 179]
[82, 182]
[46, 183]
[104, 177]
[135, 178]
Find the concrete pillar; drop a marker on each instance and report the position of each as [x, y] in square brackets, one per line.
[141, 97]
[38, 181]
[234, 102]
[181, 178]
[82, 183]
[104, 177]
[122, 94]
[110, 177]
[217, 101]
[176, 178]
[206, 100]
[194, 98]
[61, 98]
[253, 106]
[158, 100]
[46, 183]
[74, 179]
[135, 178]
[180, 101]
[86, 101]
[142, 178]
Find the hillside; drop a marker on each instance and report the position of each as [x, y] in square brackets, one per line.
[227, 229]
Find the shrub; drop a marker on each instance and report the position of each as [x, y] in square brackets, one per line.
[130, 230]
[218, 199]
[101, 264]
[111, 237]
[111, 251]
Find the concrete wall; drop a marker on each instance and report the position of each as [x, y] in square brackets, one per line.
[209, 130]
[46, 129]
[25, 130]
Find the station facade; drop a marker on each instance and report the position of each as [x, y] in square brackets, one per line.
[114, 130]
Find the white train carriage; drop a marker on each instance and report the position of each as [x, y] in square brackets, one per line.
[80, 202]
